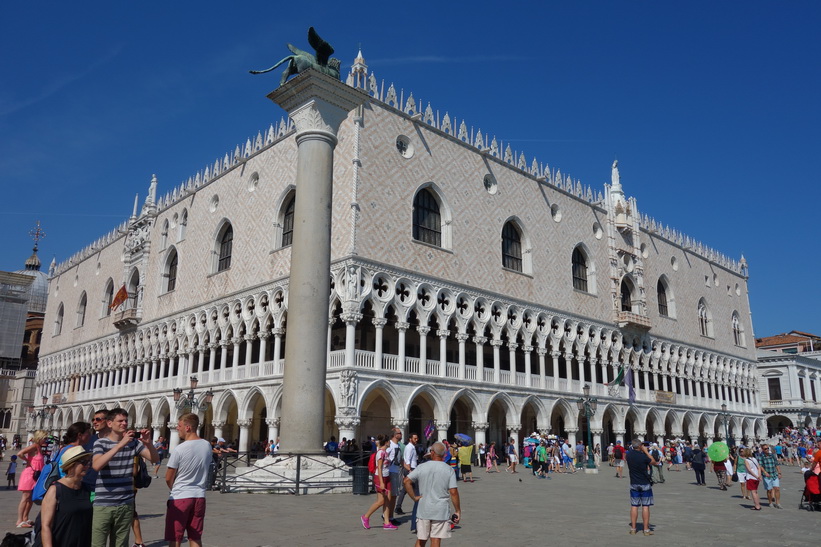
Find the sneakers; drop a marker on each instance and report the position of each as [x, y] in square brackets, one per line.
[390, 526]
[366, 524]
[399, 511]
[395, 522]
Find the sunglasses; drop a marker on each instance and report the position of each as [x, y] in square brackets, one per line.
[98, 420]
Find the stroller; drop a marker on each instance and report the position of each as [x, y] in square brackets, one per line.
[811, 497]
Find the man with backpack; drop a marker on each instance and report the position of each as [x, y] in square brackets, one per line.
[657, 470]
[395, 457]
[618, 459]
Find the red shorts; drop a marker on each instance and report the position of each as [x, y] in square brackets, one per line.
[752, 485]
[184, 516]
[386, 484]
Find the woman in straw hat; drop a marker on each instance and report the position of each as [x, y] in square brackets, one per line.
[66, 514]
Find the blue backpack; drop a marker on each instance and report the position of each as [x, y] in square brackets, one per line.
[49, 474]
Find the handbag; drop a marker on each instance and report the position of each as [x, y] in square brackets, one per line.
[141, 477]
[735, 477]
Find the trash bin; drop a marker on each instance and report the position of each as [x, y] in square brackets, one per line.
[361, 479]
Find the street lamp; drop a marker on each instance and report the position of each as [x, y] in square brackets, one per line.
[47, 410]
[189, 401]
[588, 404]
[724, 417]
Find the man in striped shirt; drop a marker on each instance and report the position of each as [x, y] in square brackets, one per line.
[114, 461]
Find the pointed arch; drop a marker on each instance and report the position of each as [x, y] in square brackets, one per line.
[466, 393]
[516, 246]
[504, 399]
[432, 216]
[583, 269]
[284, 224]
[223, 247]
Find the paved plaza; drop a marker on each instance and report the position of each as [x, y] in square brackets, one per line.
[518, 509]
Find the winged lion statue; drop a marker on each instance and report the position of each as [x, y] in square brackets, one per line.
[301, 61]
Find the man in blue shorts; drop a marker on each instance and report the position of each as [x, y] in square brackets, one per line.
[639, 461]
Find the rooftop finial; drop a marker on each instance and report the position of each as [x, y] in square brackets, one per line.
[33, 262]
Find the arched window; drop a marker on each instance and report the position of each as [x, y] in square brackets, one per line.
[164, 235]
[705, 322]
[288, 221]
[58, 322]
[738, 331]
[133, 289]
[81, 310]
[626, 295]
[183, 225]
[427, 220]
[170, 273]
[225, 246]
[661, 291]
[579, 270]
[108, 297]
[511, 247]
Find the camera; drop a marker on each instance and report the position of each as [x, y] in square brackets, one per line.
[454, 518]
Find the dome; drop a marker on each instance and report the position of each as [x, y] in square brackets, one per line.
[38, 293]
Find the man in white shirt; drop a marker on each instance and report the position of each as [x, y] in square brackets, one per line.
[410, 460]
[187, 477]
[395, 458]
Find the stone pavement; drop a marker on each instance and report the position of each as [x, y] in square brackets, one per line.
[515, 508]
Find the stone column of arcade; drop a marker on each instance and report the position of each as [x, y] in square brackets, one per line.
[317, 104]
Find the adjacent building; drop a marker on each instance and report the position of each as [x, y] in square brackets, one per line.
[473, 290]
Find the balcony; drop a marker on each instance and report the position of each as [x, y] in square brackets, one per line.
[127, 319]
[630, 319]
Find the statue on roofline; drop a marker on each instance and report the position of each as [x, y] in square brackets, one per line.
[301, 61]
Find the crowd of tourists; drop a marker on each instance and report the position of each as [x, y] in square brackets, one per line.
[87, 482]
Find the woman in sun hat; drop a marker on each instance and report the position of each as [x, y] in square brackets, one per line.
[67, 523]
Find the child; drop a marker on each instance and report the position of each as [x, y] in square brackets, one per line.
[11, 474]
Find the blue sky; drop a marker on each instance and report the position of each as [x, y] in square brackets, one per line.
[712, 108]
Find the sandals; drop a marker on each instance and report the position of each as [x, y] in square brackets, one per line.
[648, 532]
[633, 531]
[25, 524]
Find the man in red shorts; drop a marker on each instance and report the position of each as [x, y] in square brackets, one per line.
[187, 477]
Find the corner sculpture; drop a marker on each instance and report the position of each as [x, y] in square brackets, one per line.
[301, 61]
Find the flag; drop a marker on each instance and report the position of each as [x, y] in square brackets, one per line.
[429, 429]
[619, 377]
[119, 298]
[631, 393]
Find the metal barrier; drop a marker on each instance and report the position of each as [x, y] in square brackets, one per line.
[286, 474]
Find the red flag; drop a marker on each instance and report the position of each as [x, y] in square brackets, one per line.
[120, 297]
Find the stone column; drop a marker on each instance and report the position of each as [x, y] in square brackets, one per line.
[378, 325]
[249, 349]
[317, 104]
[223, 353]
[443, 357]
[273, 428]
[236, 340]
[480, 430]
[480, 357]
[277, 354]
[571, 436]
[173, 437]
[212, 356]
[263, 347]
[423, 349]
[542, 371]
[244, 426]
[218, 428]
[527, 350]
[351, 318]
[597, 433]
[619, 433]
[401, 327]
[441, 430]
[554, 356]
[402, 425]
[462, 338]
[497, 367]
[157, 430]
[513, 434]
[511, 348]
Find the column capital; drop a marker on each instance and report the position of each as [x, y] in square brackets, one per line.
[442, 333]
[572, 429]
[244, 424]
[515, 428]
[541, 351]
[481, 340]
[278, 331]
[270, 422]
[480, 426]
[249, 337]
[597, 431]
[264, 335]
[496, 343]
[423, 330]
[317, 103]
[527, 349]
[351, 317]
[401, 424]
[441, 424]
[171, 426]
[512, 346]
[379, 322]
[236, 340]
[347, 422]
[462, 337]
[216, 424]
[401, 325]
